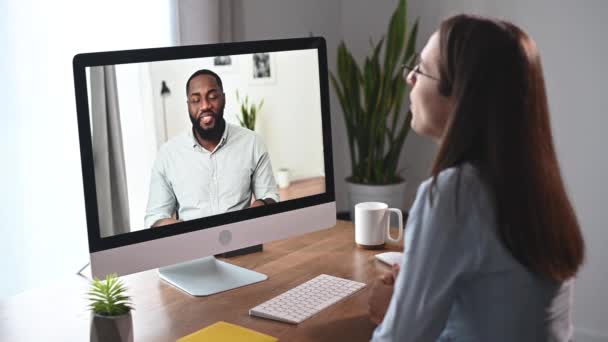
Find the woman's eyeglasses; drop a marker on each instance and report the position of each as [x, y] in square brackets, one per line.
[416, 68]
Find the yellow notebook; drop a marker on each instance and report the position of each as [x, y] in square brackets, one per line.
[226, 332]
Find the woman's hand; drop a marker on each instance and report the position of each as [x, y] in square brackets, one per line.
[381, 293]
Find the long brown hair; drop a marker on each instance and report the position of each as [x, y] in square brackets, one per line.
[500, 123]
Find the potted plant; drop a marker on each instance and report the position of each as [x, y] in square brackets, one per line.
[371, 98]
[111, 318]
[248, 112]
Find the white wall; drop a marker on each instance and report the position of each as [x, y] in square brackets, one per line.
[290, 119]
[275, 19]
[42, 218]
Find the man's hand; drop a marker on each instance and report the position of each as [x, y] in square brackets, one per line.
[257, 203]
[164, 222]
[381, 293]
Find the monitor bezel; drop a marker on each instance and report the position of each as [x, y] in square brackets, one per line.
[84, 60]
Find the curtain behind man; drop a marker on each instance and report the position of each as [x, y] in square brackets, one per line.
[108, 153]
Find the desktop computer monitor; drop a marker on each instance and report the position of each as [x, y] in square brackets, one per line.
[192, 151]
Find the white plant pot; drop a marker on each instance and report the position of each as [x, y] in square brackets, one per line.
[283, 178]
[112, 328]
[392, 194]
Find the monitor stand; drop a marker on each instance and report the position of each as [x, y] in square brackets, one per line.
[206, 276]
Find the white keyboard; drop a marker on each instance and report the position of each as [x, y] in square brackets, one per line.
[307, 299]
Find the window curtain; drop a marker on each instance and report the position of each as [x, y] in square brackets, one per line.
[108, 153]
[206, 22]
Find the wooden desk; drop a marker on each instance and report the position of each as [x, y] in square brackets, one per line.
[163, 313]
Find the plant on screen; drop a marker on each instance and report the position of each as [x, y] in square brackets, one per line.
[249, 112]
[108, 297]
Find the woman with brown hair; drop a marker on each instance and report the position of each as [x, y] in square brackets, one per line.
[492, 241]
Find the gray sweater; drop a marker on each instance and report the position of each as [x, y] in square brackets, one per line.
[457, 281]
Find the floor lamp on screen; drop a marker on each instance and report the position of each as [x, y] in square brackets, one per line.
[164, 93]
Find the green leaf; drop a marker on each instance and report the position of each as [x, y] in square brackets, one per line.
[376, 53]
[371, 98]
[395, 37]
[338, 90]
[249, 112]
[109, 297]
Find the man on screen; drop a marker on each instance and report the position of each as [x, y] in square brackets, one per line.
[213, 168]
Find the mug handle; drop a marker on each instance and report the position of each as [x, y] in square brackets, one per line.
[388, 225]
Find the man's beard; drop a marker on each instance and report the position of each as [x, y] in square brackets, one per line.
[212, 134]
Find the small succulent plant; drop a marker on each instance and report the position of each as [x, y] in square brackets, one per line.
[108, 297]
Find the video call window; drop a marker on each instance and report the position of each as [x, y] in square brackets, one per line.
[150, 168]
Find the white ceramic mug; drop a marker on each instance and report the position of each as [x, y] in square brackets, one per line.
[372, 227]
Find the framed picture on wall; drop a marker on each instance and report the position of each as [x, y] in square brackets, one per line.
[263, 68]
[224, 64]
[222, 60]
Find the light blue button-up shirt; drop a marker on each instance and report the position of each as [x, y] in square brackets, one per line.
[198, 183]
[457, 281]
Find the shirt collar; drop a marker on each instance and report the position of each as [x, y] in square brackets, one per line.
[223, 139]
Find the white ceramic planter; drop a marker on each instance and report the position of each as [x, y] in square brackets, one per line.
[112, 328]
[282, 178]
[393, 195]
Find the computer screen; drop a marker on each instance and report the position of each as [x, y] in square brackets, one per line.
[196, 150]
